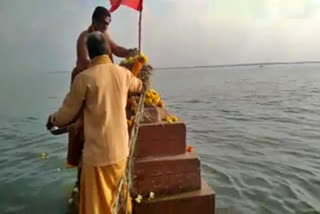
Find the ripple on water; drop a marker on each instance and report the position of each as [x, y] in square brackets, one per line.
[257, 137]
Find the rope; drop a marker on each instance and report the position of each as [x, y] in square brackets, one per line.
[127, 178]
[130, 165]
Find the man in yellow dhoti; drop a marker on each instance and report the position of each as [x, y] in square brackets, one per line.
[101, 92]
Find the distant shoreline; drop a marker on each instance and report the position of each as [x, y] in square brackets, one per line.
[238, 65]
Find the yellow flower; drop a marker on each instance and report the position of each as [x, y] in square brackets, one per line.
[44, 156]
[151, 195]
[157, 100]
[70, 200]
[148, 94]
[145, 58]
[153, 92]
[149, 101]
[174, 118]
[133, 108]
[130, 60]
[153, 98]
[168, 119]
[138, 199]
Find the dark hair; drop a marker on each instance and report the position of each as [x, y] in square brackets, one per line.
[97, 44]
[100, 13]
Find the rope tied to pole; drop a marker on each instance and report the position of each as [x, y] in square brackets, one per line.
[127, 178]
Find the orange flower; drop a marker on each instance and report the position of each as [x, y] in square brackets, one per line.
[189, 149]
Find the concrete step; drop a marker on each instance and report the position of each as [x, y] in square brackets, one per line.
[167, 175]
[195, 202]
[161, 139]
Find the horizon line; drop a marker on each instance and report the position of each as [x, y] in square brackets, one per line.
[237, 65]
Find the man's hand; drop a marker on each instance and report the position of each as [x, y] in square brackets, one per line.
[133, 52]
[49, 125]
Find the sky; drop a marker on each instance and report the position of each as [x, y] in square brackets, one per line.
[41, 35]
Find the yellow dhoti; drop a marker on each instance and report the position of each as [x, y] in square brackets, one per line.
[99, 186]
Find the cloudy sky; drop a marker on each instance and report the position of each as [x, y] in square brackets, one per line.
[41, 35]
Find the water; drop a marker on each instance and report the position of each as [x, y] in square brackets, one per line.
[256, 130]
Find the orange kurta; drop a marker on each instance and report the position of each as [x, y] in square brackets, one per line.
[102, 91]
[75, 136]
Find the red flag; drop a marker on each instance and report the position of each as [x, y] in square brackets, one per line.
[134, 4]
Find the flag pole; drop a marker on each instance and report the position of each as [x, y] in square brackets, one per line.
[140, 26]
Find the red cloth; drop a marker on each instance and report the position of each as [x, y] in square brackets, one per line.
[134, 4]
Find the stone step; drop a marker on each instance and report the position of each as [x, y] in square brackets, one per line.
[161, 139]
[196, 202]
[167, 175]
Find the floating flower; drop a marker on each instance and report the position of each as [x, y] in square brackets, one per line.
[70, 200]
[75, 189]
[44, 156]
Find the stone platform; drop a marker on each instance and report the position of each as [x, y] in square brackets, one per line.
[200, 201]
[167, 175]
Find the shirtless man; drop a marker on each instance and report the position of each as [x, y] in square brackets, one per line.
[101, 18]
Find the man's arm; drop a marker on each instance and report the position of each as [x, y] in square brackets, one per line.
[118, 50]
[72, 103]
[134, 83]
[83, 60]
